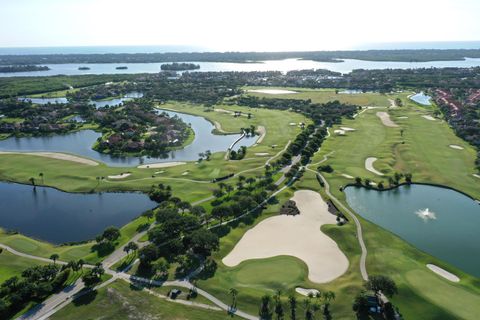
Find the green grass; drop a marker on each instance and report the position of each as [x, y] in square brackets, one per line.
[326, 95]
[12, 265]
[120, 301]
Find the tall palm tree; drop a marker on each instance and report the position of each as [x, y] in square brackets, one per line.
[293, 307]
[54, 257]
[234, 293]
[32, 181]
[41, 176]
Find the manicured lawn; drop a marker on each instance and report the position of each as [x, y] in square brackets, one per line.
[12, 265]
[120, 301]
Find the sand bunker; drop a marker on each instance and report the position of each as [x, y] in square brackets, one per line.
[347, 129]
[339, 132]
[299, 236]
[185, 173]
[293, 123]
[58, 156]
[306, 292]
[454, 146]
[263, 132]
[443, 273]
[347, 176]
[385, 117]
[160, 165]
[476, 175]
[428, 117]
[120, 176]
[272, 91]
[403, 117]
[369, 165]
[262, 154]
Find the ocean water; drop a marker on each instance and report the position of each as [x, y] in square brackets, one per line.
[98, 49]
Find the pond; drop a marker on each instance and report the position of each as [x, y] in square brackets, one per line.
[345, 66]
[442, 222]
[58, 217]
[81, 142]
[98, 103]
[422, 99]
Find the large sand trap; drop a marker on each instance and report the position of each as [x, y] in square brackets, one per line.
[347, 129]
[272, 91]
[120, 176]
[347, 176]
[385, 117]
[454, 146]
[443, 273]
[369, 165]
[428, 117]
[58, 156]
[160, 165]
[299, 236]
[305, 292]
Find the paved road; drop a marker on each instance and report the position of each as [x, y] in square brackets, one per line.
[29, 256]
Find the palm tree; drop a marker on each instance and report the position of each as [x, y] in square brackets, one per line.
[41, 176]
[54, 257]
[308, 311]
[80, 264]
[278, 305]
[293, 307]
[32, 181]
[234, 293]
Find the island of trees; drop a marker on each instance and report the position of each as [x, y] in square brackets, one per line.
[179, 66]
[22, 68]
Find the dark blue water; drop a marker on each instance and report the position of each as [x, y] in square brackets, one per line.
[59, 217]
[448, 230]
[81, 142]
[99, 49]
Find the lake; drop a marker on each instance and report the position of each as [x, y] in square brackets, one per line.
[58, 217]
[439, 221]
[270, 65]
[422, 99]
[81, 142]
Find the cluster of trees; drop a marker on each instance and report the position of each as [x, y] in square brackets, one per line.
[393, 181]
[35, 284]
[314, 306]
[94, 275]
[106, 241]
[103, 91]
[179, 236]
[23, 68]
[378, 284]
[179, 66]
[289, 208]
[249, 193]
[239, 154]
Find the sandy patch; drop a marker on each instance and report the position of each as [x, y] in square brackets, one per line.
[339, 132]
[403, 117]
[159, 172]
[293, 123]
[454, 146]
[262, 154]
[305, 292]
[369, 165]
[299, 236]
[218, 126]
[58, 156]
[476, 175]
[160, 165]
[272, 91]
[120, 176]
[428, 117]
[347, 129]
[385, 117]
[347, 176]
[185, 173]
[443, 273]
[263, 132]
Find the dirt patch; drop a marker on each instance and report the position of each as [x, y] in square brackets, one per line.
[299, 236]
[120, 176]
[385, 117]
[58, 156]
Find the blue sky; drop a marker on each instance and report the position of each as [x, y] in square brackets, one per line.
[236, 25]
